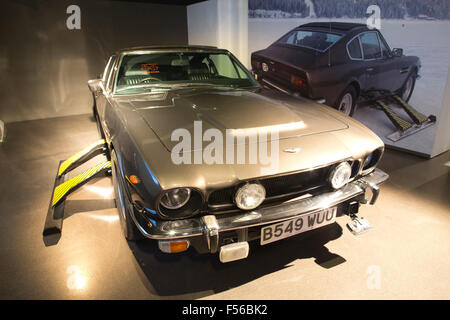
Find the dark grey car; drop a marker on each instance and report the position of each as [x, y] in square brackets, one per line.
[336, 62]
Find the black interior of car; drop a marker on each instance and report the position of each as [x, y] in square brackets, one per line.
[173, 69]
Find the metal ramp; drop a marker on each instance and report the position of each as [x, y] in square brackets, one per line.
[64, 186]
[398, 122]
[415, 115]
[404, 128]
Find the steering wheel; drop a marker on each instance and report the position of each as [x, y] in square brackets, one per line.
[149, 78]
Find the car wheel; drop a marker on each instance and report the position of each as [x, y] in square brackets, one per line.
[347, 101]
[408, 87]
[123, 205]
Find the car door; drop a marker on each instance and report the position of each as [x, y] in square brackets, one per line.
[392, 76]
[103, 95]
[380, 69]
[370, 47]
[356, 66]
[398, 69]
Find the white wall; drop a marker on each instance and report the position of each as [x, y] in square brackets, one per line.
[442, 141]
[220, 23]
[202, 23]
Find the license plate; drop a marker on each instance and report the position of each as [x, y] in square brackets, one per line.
[298, 225]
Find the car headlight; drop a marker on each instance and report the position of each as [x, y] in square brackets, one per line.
[175, 198]
[340, 175]
[250, 196]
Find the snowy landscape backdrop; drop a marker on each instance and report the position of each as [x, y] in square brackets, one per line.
[420, 27]
[391, 9]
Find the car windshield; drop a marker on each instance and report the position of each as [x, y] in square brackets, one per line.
[141, 72]
[316, 40]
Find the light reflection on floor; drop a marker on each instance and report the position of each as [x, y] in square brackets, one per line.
[76, 279]
[105, 218]
[106, 193]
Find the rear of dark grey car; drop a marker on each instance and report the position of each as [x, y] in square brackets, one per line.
[281, 76]
[305, 71]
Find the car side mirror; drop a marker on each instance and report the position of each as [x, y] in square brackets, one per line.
[397, 52]
[94, 85]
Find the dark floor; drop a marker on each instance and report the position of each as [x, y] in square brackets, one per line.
[406, 255]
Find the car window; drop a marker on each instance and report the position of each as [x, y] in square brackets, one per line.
[224, 65]
[140, 72]
[108, 75]
[316, 40]
[106, 71]
[354, 49]
[385, 51]
[370, 45]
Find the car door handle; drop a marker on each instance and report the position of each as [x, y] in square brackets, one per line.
[369, 69]
[404, 70]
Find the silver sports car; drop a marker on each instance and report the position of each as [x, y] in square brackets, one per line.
[203, 156]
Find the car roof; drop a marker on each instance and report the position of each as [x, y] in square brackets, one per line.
[334, 26]
[170, 47]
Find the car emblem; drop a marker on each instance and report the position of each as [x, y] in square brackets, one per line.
[292, 150]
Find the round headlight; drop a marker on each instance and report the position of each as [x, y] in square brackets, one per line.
[340, 175]
[265, 67]
[249, 196]
[175, 198]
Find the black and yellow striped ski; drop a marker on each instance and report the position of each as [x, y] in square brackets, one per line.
[81, 157]
[63, 186]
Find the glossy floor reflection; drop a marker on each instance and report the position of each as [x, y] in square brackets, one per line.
[406, 255]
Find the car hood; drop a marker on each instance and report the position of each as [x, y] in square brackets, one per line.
[239, 111]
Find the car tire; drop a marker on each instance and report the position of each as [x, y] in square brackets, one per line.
[347, 101]
[408, 87]
[129, 228]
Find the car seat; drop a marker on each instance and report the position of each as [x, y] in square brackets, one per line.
[199, 71]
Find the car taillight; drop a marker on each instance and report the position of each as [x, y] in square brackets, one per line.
[255, 64]
[298, 82]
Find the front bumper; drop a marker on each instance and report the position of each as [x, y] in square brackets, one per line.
[210, 226]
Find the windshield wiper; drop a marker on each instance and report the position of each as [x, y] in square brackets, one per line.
[206, 84]
[153, 85]
[179, 85]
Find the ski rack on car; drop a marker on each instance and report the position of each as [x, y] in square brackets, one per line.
[404, 128]
[64, 186]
